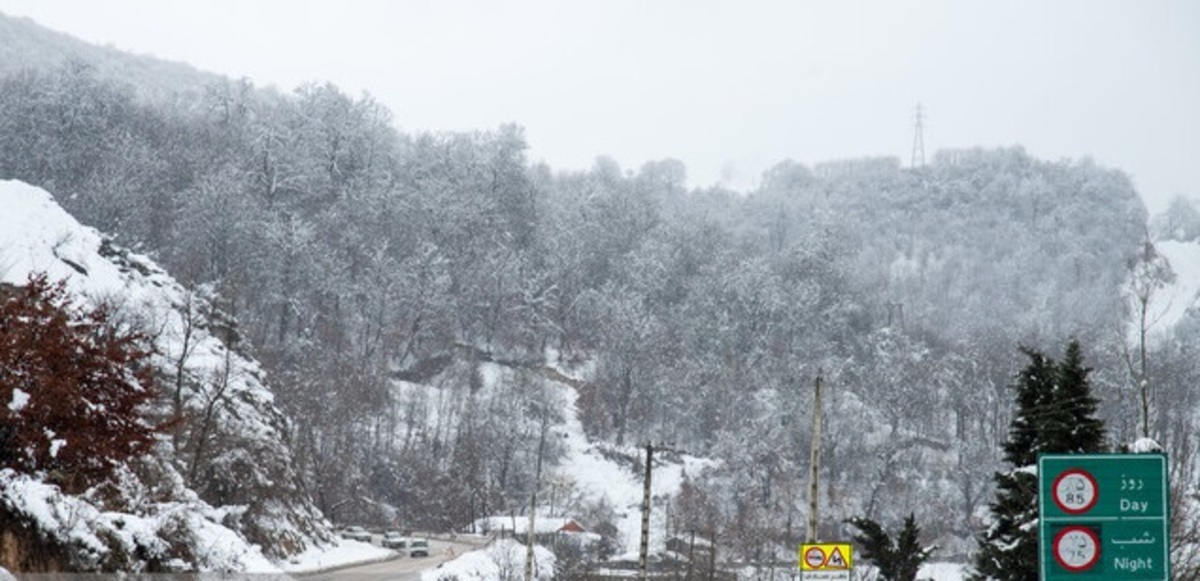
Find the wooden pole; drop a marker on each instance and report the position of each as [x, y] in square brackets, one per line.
[644, 555]
[814, 464]
[533, 500]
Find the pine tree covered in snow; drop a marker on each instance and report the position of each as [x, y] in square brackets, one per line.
[1056, 414]
[1078, 430]
[898, 559]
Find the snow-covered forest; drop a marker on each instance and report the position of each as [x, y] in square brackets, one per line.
[410, 296]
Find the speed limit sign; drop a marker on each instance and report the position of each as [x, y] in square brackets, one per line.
[1075, 491]
[1077, 548]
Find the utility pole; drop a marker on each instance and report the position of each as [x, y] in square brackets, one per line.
[814, 463]
[533, 500]
[644, 553]
[918, 148]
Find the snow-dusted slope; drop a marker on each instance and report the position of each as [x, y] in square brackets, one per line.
[599, 476]
[1173, 302]
[597, 472]
[243, 481]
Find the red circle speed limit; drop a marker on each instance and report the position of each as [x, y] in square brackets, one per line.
[1076, 548]
[1075, 491]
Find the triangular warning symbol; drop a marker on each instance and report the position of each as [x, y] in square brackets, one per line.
[836, 560]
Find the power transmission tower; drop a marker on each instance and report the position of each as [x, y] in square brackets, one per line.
[918, 148]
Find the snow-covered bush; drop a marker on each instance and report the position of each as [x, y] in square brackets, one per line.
[503, 560]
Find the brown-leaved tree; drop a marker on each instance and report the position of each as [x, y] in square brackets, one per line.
[73, 386]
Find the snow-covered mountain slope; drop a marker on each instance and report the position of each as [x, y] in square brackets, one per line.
[598, 476]
[225, 481]
[588, 472]
[1173, 302]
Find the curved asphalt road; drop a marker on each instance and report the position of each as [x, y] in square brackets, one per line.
[402, 568]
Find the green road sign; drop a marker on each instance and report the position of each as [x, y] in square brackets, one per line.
[1103, 516]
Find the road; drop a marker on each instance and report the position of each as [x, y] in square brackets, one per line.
[403, 568]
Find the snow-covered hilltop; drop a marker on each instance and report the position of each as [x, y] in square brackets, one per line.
[1182, 294]
[219, 493]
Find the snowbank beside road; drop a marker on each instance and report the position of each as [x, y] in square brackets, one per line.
[504, 559]
[342, 553]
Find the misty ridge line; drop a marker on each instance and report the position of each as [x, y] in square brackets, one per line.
[416, 300]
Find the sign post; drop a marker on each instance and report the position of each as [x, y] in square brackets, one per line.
[1103, 516]
[826, 562]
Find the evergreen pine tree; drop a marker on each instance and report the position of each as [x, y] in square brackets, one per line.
[1035, 388]
[897, 560]
[909, 553]
[1084, 433]
[1055, 414]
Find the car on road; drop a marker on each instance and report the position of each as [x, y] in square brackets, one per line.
[356, 533]
[418, 548]
[394, 540]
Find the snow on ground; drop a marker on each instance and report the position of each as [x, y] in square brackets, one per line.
[593, 474]
[600, 477]
[943, 572]
[597, 477]
[224, 550]
[504, 559]
[36, 235]
[343, 552]
[79, 523]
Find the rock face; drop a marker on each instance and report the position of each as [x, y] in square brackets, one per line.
[225, 460]
[22, 549]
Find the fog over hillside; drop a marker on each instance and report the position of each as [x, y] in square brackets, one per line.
[30, 46]
[427, 329]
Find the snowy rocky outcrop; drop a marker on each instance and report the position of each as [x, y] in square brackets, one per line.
[220, 493]
[47, 530]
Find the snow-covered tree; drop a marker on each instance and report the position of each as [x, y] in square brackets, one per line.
[1180, 221]
[1149, 274]
[1055, 414]
[899, 558]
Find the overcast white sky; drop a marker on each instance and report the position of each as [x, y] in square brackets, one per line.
[729, 88]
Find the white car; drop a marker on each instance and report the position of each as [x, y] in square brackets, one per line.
[394, 540]
[357, 534]
[418, 548]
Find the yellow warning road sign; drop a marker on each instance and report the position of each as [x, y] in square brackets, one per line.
[837, 560]
[826, 557]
